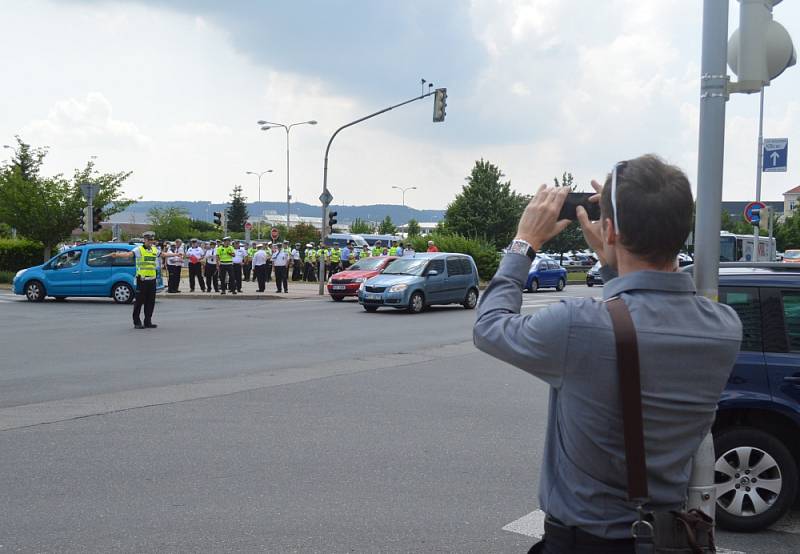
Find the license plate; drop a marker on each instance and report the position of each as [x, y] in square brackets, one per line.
[338, 287]
[373, 296]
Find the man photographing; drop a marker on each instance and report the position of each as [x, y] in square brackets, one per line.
[687, 346]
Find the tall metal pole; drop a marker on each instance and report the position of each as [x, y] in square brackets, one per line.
[288, 194]
[325, 190]
[760, 159]
[713, 95]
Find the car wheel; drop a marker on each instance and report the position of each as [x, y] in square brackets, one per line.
[416, 303]
[471, 300]
[589, 283]
[561, 284]
[755, 477]
[122, 293]
[371, 309]
[534, 285]
[337, 298]
[34, 291]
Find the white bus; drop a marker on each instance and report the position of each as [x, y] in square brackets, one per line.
[739, 248]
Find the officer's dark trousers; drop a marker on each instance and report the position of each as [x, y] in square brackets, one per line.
[260, 273]
[296, 272]
[268, 271]
[310, 275]
[281, 277]
[246, 268]
[226, 277]
[196, 272]
[174, 279]
[145, 296]
[237, 276]
[211, 276]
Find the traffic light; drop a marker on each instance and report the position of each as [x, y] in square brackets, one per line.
[218, 219]
[97, 219]
[760, 49]
[755, 217]
[83, 219]
[439, 105]
[332, 220]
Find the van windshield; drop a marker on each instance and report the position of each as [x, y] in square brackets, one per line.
[406, 266]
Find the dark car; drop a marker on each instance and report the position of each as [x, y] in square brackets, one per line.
[757, 426]
[593, 276]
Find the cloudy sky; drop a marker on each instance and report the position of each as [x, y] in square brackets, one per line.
[172, 90]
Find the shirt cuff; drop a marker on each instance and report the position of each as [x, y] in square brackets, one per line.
[515, 266]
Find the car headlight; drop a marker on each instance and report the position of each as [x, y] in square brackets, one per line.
[361, 288]
[359, 279]
[398, 288]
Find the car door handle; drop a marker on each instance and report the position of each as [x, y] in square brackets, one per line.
[74, 272]
[792, 379]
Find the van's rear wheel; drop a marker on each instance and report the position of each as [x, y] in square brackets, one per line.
[122, 293]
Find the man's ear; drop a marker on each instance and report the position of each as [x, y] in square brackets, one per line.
[609, 233]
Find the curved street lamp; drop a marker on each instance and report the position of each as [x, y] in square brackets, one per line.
[403, 190]
[266, 126]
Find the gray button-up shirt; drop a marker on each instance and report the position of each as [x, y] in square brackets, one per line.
[687, 348]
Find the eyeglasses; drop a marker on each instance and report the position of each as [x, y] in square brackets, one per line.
[618, 167]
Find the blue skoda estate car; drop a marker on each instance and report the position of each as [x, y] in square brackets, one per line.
[414, 282]
[757, 425]
[82, 271]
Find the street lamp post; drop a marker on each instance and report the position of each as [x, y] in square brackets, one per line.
[403, 190]
[267, 125]
[259, 175]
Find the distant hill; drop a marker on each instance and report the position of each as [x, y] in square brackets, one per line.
[346, 214]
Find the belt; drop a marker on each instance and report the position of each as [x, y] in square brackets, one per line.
[558, 533]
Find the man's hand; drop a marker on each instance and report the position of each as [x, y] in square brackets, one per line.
[592, 229]
[539, 222]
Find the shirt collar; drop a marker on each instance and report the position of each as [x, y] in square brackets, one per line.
[665, 281]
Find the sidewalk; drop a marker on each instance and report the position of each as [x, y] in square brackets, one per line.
[297, 290]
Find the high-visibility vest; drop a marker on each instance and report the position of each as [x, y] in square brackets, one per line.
[393, 251]
[376, 250]
[225, 254]
[250, 252]
[336, 255]
[352, 257]
[146, 262]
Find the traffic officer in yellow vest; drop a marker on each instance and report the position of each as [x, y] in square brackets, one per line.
[377, 250]
[393, 250]
[310, 259]
[146, 260]
[336, 259]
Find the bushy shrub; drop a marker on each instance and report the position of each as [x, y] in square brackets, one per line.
[19, 254]
[486, 257]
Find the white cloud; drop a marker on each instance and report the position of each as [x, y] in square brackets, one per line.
[86, 122]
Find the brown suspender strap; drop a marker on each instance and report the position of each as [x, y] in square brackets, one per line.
[631, 396]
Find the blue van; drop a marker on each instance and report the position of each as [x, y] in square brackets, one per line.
[414, 282]
[82, 271]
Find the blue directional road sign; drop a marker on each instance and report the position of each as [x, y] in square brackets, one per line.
[776, 153]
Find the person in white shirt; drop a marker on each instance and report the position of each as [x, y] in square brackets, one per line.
[280, 261]
[174, 266]
[210, 260]
[238, 259]
[260, 267]
[297, 264]
[195, 254]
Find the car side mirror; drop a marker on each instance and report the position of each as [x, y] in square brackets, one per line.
[432, 272]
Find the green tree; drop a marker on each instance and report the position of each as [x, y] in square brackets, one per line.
[486, 207]
[237, 211]
[303, 233]
[47, 209]
[359, 226]
[170, 223]
[787, 233]
[386, 226]
[413, 228]
[570, 238]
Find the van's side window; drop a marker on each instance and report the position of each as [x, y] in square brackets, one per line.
[746, 303]
[67, 259]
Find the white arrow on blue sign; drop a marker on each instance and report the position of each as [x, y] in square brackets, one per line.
[776, 153]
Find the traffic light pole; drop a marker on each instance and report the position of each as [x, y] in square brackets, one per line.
[759, 169]
[326, 193]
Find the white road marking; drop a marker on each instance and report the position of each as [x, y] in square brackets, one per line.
[532, 525]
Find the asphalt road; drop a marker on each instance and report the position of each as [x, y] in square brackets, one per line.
[275, 426]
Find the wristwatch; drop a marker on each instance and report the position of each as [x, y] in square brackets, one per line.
[519, 246]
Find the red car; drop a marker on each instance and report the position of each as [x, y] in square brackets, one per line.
[346, 283]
